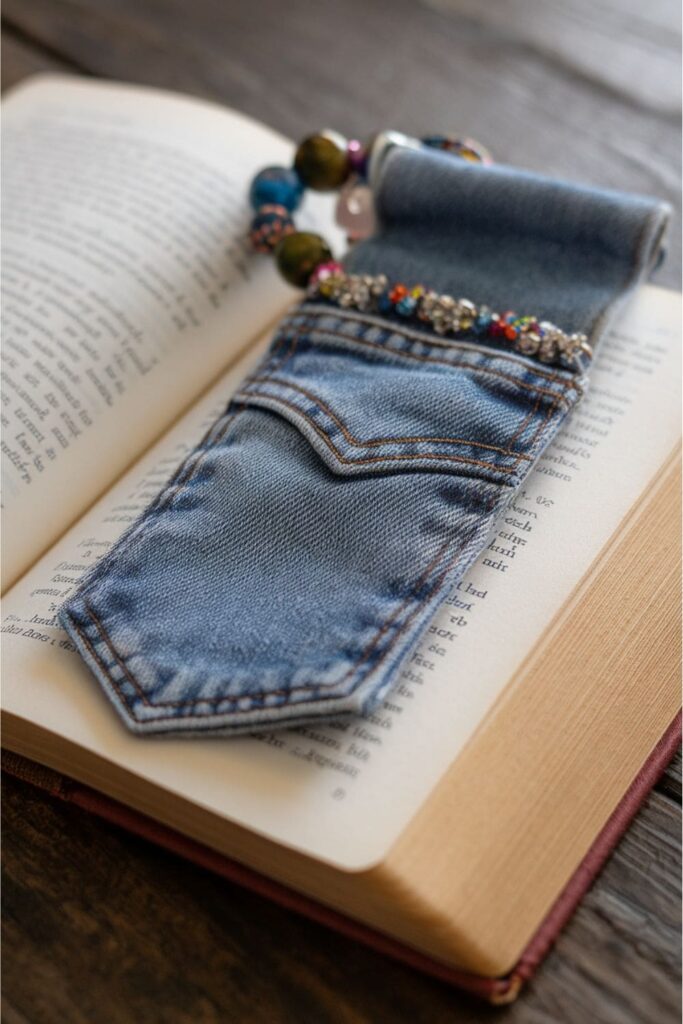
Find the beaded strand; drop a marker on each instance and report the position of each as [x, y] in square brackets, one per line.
[446, 315]
[323, 162]
[326, 162]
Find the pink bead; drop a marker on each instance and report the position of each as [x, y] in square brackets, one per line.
[325, 270]
[358, 156]
[356, 211]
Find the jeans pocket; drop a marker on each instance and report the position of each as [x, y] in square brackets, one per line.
[374, 399]
[300, 550]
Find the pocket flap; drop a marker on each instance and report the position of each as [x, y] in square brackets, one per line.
[371, 398]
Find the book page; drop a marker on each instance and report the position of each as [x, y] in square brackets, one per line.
[344, 792]
[128, 283]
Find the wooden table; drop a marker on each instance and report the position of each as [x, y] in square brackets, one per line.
[101, 927]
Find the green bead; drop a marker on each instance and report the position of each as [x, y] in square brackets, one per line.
[299, 254]
[322, 161]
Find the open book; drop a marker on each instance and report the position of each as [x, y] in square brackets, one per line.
[452, 817]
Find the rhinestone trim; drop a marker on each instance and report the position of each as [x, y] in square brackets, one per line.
[541, 340]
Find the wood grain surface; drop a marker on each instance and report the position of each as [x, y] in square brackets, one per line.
[100, 927]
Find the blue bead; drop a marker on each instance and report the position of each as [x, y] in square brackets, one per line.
[270, 225]
[278, 186]
[406, 306]
[384, 303]
[482, 323]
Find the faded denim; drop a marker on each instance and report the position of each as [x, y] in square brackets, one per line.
[297, 554]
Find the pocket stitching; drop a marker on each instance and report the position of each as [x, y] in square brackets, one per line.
[453, 363]
[423, 337]
[376, 458]
[232, 698]
[181, 480]
[374, 442]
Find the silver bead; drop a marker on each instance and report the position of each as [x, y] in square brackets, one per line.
[447, 315]
[378, 284]
[528, 343]
[467, 309]
[547, 351]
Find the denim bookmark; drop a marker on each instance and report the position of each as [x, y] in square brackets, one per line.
[294, 558]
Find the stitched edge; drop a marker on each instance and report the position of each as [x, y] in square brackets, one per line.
[446, 363]
[179, 481]
[424, 337]
[186, 468]
[309, 686]
[399, 353]
[540, 391]
[556, 399]
[372, 458]
[232, 698]
[376, 441]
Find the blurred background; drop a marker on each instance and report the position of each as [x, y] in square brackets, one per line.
[588, 89]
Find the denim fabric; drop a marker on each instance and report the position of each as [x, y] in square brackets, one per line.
[511, 239]
[296, 555]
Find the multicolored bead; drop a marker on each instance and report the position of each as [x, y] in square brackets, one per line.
[447, 315]
[277, 186]
[326, 161]
[299, 254]
[482, 321]
[269, 226]
[358, 155]
[406, 306]
[322, 161]
[325, 271]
